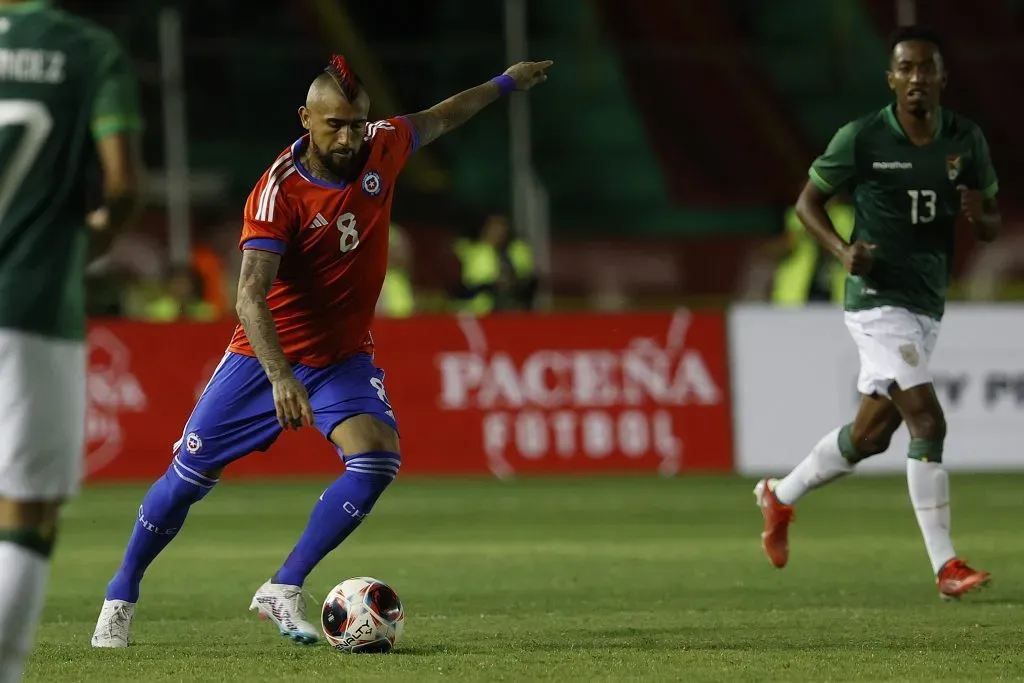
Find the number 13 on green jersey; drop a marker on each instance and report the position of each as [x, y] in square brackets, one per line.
[906, 199]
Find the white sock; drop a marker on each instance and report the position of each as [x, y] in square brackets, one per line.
[824, 464]
[22, 586]
[928, 484]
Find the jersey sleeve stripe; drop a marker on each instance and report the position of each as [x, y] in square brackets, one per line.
[265, 244]
[412, 129]
[820, 182]
[273, 195]
[271, 179]
[373, 128]
[991, 191]
[265, 192]
[269, 194]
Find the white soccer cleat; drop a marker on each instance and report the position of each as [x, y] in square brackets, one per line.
[285, 606]
[114, 624]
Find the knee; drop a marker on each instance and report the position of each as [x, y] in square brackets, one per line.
[869, 442]
[928, 426]
[369, 448]
[365, 435]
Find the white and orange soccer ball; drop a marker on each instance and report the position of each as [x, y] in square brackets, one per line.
[363, 615]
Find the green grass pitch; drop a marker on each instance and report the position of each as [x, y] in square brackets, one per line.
[596, 579]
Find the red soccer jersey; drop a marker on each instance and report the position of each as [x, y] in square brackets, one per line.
[333, 239]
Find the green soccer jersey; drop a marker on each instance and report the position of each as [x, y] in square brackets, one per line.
[906, 202]
[64, 82]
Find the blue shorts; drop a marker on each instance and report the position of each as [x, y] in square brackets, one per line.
[235, 415]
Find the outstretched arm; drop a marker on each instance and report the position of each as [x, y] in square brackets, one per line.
[448, 115]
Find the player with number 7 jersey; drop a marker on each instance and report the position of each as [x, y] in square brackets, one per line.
[315, 243]
[69, 114]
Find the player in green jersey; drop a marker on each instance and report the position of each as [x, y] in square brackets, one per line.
[68, 103]
[911, 168]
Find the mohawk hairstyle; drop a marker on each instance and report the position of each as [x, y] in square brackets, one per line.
[916, 32]
[344, 76]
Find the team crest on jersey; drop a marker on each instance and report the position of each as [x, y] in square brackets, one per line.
[193, 443]
[954, 164]
[371, 183]
[909, 353]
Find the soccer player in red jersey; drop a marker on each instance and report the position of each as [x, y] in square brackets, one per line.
[315, 243]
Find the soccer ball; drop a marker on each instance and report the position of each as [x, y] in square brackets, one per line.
[363, 615]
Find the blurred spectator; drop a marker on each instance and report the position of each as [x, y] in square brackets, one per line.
[396, 296]
[182, 299]
[210, 271]
[135, 264]
[104, 296]
[138, 255]
[805, 271]
[222, 239]
[496, 270]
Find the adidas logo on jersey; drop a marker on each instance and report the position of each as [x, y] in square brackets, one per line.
[892, 165]
[318, 222]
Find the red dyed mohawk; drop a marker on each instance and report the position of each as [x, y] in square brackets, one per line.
[345, 77]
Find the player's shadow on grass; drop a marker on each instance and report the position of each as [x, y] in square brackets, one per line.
[424, 650]
[989, 601]
[581, 640]
[599, 638]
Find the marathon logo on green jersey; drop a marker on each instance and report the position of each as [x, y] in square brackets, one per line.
[892, 165]
[32, 66]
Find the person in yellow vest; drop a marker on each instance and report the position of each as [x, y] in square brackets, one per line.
[181, 300]
[806, 272]
[397, 299]
[497, 270]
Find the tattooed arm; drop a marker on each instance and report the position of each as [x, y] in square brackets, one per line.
[259, 268]
[446, 116]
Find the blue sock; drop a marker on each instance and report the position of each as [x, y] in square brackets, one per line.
[161, 515]
[339, 511]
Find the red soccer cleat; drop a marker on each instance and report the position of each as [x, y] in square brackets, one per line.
[775, 537]
[956, 578]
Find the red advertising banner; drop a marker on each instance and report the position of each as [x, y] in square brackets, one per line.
[501, 395]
